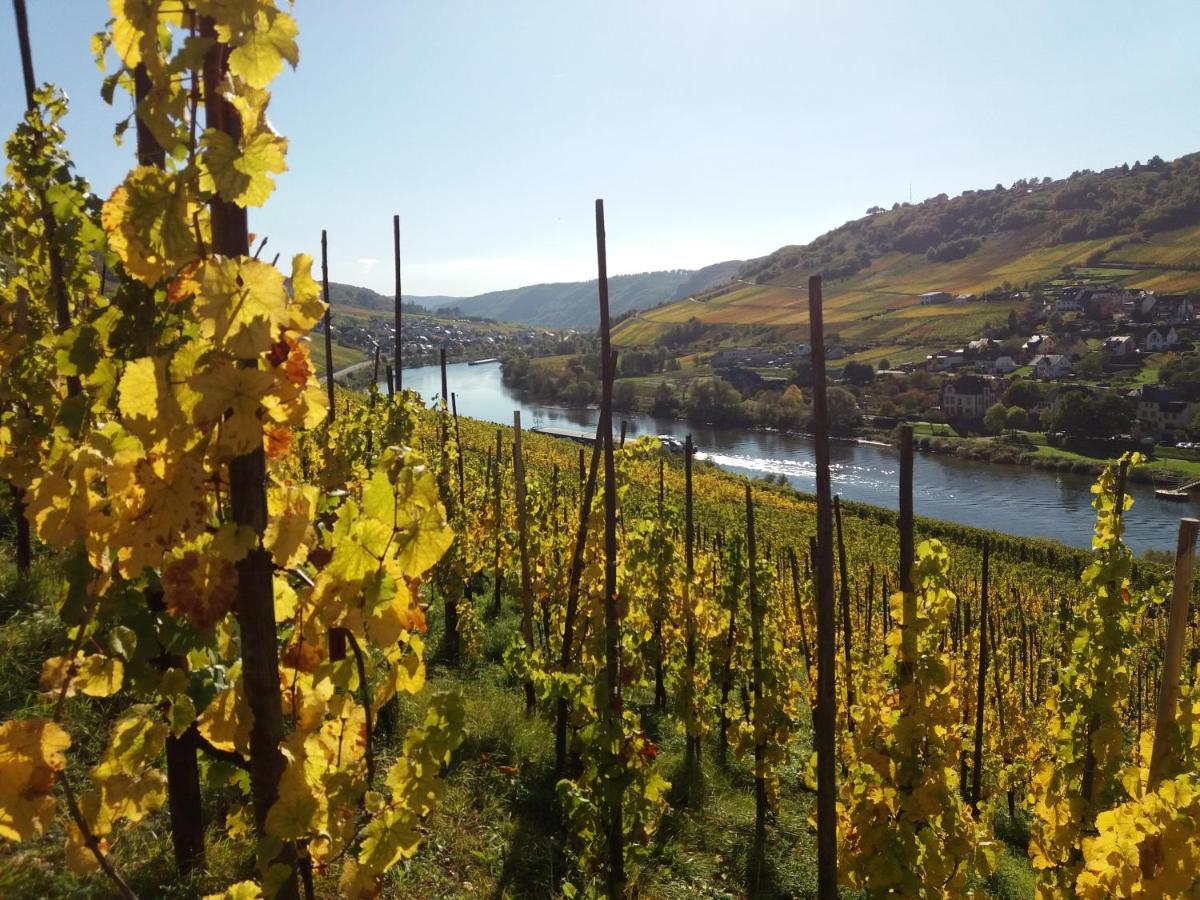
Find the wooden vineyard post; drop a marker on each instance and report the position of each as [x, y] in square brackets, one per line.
[660, 689]
[825, 720]
[1168, 689]
[981, 691]
[328, 322]
[576, 576]
[692, 752]
[445, 383]
[756, 640]
[496, 514]
[844, 597]
[184, 797]
[391, 380]
[523, 549]
[254, 606]
[399, 348]
[462, 491]
[58, 283]
[794, 564]
[62, 313]
[907, 555]
[612, 706]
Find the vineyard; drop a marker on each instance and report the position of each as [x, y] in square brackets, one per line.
[263, 638]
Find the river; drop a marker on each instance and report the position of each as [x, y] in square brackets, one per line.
[1014, 499]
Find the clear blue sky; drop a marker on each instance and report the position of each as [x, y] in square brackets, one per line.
[712, 130]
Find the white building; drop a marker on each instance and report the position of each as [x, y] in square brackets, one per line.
[1051, 365]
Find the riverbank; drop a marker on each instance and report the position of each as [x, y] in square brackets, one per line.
[1032, 450]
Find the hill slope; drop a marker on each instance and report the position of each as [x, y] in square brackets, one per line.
[875, 267]
[559, 305]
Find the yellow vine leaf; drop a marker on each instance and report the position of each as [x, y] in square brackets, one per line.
[226, 721]
[262, 51]
[95, 675]
[226, 388]
[149, 224]
[289, 532]
[32, 752]
[242, 304]
[243, 890]
[241, 175]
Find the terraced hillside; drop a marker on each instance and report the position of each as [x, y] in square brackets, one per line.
[1109, 225]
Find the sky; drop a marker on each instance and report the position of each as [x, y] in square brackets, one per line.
[713, 130]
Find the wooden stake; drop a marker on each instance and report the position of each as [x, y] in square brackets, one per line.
[844, 595]
[825, 720]
[458, 447]
[58, 284]
[612, 675]
[1168, 690]
[523, 548]
[496, 514]
[399, 351]
[328, 323]
[692, 750]
[254, 606]
[980, 694]
[589, 493]
[756, 639]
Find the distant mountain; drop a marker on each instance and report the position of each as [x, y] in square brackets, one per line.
[560, 305]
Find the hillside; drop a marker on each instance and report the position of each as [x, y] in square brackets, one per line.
[1136, 225]
[559, 305]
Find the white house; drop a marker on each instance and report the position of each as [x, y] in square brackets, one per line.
[967, 398]
[1160, 337]
[1169, 308]
[946, 360]
[929, 298]
[1161, 411]
[1050, 365]
[1120, 345]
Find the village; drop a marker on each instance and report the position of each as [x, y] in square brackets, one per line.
[1100, 342]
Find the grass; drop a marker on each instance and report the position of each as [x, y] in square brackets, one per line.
[343, 356]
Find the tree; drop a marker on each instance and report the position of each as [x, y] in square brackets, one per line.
[1017, 419]
[843, 410]
[1092, 365]
[1013, 323]
[666, 402]
[858, 374]
[1022, 392]
[885, 364]
[1100, 416]
[714, 400]
[624, 395]
[791, 409]
[995, 418]
[802, 373]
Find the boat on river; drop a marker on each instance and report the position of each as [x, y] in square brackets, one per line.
[484, 362]
[1178, 494]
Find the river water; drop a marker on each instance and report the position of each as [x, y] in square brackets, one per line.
[1013, 499]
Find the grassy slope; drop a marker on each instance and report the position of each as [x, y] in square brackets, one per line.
[880, 304]
[342, 355]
